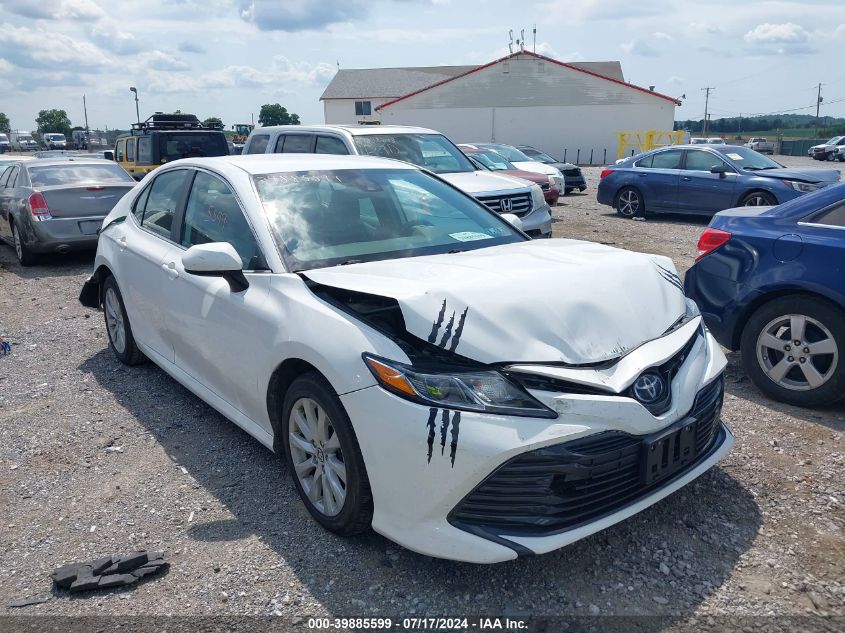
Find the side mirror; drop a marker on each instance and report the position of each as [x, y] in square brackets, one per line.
[719, 169]
[513, 220]
[216, 259]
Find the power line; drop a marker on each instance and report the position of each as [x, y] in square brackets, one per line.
[706, 104]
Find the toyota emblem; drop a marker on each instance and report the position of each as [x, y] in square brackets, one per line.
[649, 388]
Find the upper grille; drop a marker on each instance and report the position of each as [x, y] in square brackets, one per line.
[520, 203]
[560, 487]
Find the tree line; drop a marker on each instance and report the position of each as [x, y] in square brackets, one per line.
[827, 126]
[55, 120]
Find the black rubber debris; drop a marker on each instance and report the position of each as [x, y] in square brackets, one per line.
[112, 571]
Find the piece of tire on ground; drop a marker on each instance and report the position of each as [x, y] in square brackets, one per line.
[775, 364]
[327, 452]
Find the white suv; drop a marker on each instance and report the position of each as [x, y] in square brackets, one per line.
[421, 147]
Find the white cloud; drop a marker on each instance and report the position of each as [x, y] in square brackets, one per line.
[839, 33]
[640, 47]
[592, 10]
[779, 38]
[109, 35]
[675, 80]
[703, 28]
[27, 48]
[158, 60]
[299, 15]
[5, 67]
[659, 35]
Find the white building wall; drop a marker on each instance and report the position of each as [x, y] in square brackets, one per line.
[342, 111]
[528, 101]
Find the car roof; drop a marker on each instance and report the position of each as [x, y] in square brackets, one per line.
[273, 163]
[64, 160]
[354, 130]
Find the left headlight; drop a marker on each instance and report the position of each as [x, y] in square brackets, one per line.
[480, 391]
[537, 198]
[803, 187]
[692, 308]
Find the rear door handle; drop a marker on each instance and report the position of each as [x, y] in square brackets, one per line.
[170, 269]
[686, 178]
[643, 175]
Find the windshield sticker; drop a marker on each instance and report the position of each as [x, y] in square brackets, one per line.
[469, 236]
[734, 156]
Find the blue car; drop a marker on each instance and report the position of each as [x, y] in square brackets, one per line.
[771, 283]
[703, 179]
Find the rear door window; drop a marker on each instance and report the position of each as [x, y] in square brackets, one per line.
[298, 144]
[670, 159]
[330, 145]
[258, 144]
[130, 150]
[145, 150]
[121, 146]
[832, 217]
[280, 143]
[13, 177]
[165, 195]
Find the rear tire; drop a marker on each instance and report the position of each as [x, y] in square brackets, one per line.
[758, 199]
[121, 340]
[25, 256]
[768, 343]
[324, 459]
[629, 202]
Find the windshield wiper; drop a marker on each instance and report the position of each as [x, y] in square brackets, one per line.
[350, 261]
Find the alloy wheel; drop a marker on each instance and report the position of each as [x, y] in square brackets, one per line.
[797, 352]
[114, 321]
[317, 456]
[756, 200]
[629, 202]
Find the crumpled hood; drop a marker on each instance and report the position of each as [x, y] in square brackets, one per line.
[807, 175]
[481, 182]
[539, 301]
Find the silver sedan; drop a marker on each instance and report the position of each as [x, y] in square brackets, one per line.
[57, 205]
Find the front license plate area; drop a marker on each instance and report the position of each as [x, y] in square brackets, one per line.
[667, 453]
[90, 227]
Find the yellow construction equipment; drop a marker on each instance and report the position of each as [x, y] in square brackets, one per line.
[644, 141]
[242, 131]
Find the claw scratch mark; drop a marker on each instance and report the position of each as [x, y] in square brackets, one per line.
[436, 326]
[432, 424]
[460, 329]
[444, 427]
[456, 425]
[448, 333]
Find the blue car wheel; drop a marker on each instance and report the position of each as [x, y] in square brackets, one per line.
[629, 202]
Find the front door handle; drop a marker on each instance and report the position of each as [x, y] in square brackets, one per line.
[170, 269]
[686, 178]
[643, 175]
[122, 242]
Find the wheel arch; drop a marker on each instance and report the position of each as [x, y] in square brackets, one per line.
[756, 189]
[763, 299]
[280, 381]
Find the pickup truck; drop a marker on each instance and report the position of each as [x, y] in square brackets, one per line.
[761, 145]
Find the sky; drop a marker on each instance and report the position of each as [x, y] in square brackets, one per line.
[225, 58]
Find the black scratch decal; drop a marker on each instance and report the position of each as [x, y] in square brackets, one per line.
[456, 339]
[444, 428]
[456, 426]
[448, 333]
[439, 322]
[671, 277]
[432, 424]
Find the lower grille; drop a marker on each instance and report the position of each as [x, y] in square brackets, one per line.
[519, 203]
[561, 487]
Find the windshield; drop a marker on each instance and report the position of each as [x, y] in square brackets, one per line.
[55, 137]
[834, 140]
[70, 174]
[331, 218]
[432, 151]
[746, 158]
[511, 153]
[540, 157]
[191, 145]
[492, 160]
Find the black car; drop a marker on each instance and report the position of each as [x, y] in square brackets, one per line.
[571, 173]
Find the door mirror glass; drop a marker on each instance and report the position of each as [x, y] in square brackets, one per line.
[718, 169]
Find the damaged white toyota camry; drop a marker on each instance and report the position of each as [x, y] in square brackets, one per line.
[425, 368]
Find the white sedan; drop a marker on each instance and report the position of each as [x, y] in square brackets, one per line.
[425, 368]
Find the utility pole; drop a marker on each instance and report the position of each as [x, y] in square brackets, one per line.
[740, 125]
[818, 104]
[706, 105]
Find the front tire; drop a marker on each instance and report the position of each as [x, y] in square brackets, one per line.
[25, 256]
[792, 349]
[323, 457]
[121, 340]
[758, 199]
[629, 202]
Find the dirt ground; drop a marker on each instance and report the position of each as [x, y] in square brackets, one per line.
[97, 459]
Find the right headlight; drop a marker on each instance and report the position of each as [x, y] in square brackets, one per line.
[465, 390]
[537, 197]
[803, 187]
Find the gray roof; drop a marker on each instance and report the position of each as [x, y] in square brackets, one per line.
[354, 83]
[365, 83]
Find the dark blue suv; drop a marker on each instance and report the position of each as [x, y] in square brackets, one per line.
[771, 283]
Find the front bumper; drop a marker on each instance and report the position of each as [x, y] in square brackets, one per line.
[423, 463]
[538, 223]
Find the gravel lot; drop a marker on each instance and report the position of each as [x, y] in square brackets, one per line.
[97, 458]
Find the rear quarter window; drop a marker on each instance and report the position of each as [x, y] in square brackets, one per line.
[258, 144]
